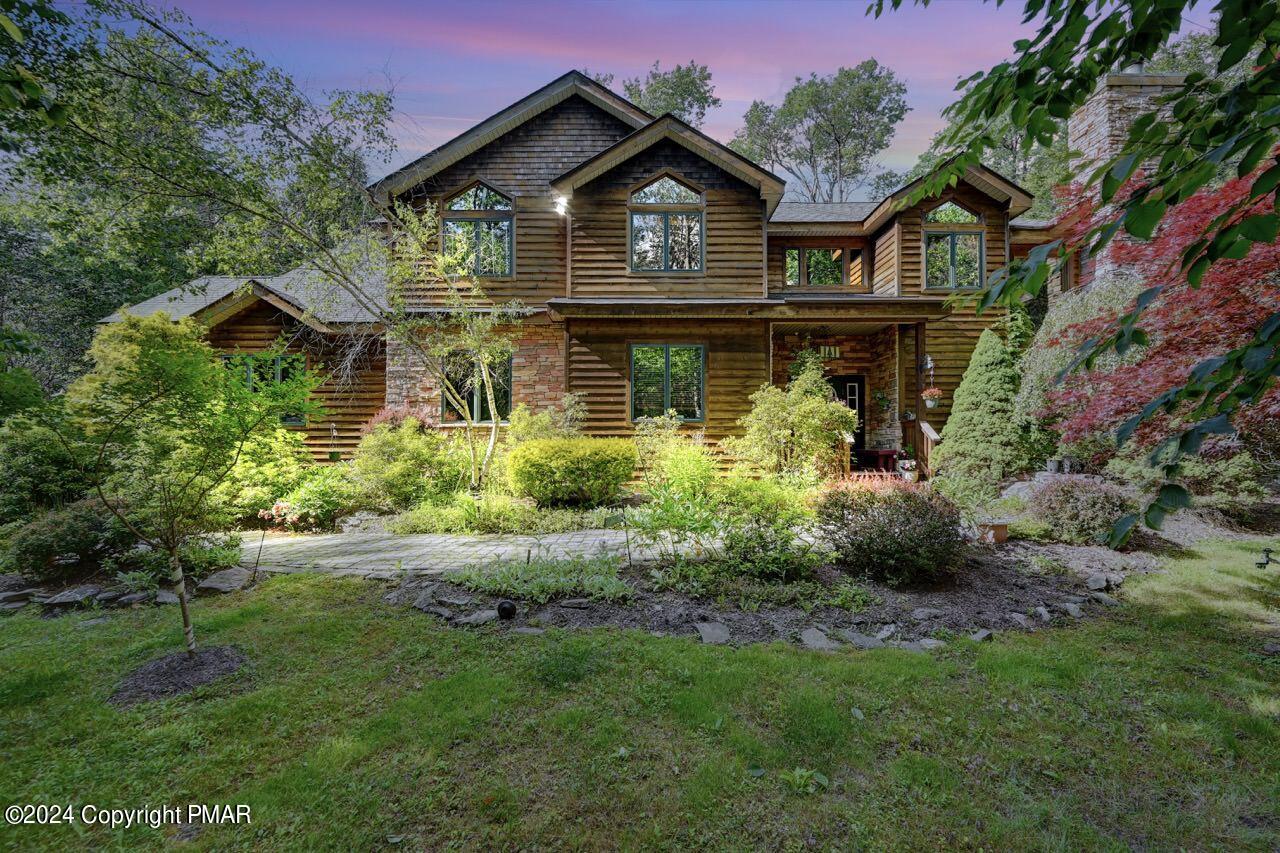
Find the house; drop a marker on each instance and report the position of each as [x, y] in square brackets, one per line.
[663, 271]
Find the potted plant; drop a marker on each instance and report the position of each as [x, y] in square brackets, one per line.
[931, 396]
[882, 400]
[907, 465]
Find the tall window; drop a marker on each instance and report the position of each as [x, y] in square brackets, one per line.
[825, 267]
[466, 380]
[478, 228]
[668, 377]
[666, 227]
[953, 248]
[258, 371]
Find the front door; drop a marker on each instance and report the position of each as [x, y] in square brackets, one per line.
[851, 389]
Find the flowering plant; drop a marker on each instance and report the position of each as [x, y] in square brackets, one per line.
[931, 394]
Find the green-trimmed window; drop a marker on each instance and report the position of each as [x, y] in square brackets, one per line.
[953, 248]
[478, 227]
[261, 370]
[668, 377]
[466, 381]
[819, 267]
[666, 227]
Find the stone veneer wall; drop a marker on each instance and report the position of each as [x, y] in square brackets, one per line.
[537, 372]
[874, 354]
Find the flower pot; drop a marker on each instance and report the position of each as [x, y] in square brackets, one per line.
[993, 532]
[931, 403]
[910, 476]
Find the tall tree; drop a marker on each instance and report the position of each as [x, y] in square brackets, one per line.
[685, 91]
[828, 129]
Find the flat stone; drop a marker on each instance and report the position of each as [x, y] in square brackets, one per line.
[1271, 648]
[133, 598]
[426, 598]
[480, 617]
[862, 641]
[227, 580]
[930, 643]
[533, 632]
[920, 614]
[454, 600]
[108, 596]
[1075, 599]
[1103, 598]
[713, 633]
[886, 632]
[1114, 580]
[817, 640]
[1019, 618]
[575, 603]
[10, 580]
[1043, 614]
[11, 606]
[1097, 582]
[982, 635]
[1072, 610]
[857, 713]
[17, 595]
[74, 596]
[437, 610]
[164, 596]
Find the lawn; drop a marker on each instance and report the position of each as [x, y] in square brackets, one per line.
[359, 726]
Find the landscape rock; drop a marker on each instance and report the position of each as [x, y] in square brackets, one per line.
[1271, 648]
[1043, 614]
[109, 595]
[886, 632]
[426, 598]
[713, 633]
[981, 636]
[133, 598]
[437, 610]
[361, 522]
[1072, 610]
[75, 596]
[818, 641]
[17, 595]
[454, 599]
[10, 580]
[227, 580]
[1020, 619]
[165, 596]
[930, 643]
[576, 603]
[1097, 582]
[920, 614]
[480, 617]
[1114, 579]
[862, 641]
[11, 606]
[1103, 598]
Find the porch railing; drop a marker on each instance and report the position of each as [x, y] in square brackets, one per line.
[929, 439]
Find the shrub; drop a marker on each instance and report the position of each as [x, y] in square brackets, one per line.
[271, 464]
[1079, 510]
[561, 421]
[686, 466]
[652, 436]
[392, 417]
[40, 472]
[982, 442]
[494, 513]
[542, 579]
[1031, 529]
[19, 391]
[575, 471]
[324, 495]
[143, 569]
[759, 525]
[397, 467]
[67, 543]
[1232, 484]
[717, 581]
[899, 532]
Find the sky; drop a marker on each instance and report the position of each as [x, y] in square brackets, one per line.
[453, 64]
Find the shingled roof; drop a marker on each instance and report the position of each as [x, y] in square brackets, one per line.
[840, 211]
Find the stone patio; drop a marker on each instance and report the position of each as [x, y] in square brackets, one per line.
[387, 555]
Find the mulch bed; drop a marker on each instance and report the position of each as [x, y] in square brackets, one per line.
[176, 674]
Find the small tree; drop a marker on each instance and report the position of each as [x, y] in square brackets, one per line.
[166, 421]
[797, 433]
[983, 442]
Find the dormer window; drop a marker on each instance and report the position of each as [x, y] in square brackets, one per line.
[666, 227]
[953, 248]
[477, 228]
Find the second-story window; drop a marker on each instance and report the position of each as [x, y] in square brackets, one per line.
[477, 228]
[953, 250]
[666, 227]
[824, 267]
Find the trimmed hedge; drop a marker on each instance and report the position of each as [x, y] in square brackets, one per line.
[573, 471]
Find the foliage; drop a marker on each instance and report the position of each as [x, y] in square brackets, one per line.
[543, 579]
[1161, 168]
[19, 390]
[1233, 483]
[398, 467]
[576, 471]
[271, 464]
[797, 433]
[144, 569]
[1031, 530]
[652, 436]
[759, 522]
[717, 581]
[802, 780]
[562, 421]
[495, 513]
[325, 494]
[685, 91]
[901, 533]
[41, 470]
[66, 543]
[1079, 510]
[982, 442]
[22, 92]
[827, 130]
[685, 466]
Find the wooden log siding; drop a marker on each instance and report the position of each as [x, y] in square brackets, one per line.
[884, 275]
[737, 364]
[348, 404]
[521, 164]
[734, 239]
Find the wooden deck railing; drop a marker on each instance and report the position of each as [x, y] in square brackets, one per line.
[929, 439]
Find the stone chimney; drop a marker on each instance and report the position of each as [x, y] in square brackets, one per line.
[1099, 128]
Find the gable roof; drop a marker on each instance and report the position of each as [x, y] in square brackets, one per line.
[672, 128]
[982, 178]
[506, 120]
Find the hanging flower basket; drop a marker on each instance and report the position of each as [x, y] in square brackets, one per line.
[931, 396]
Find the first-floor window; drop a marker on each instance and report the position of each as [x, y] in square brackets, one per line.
[953, 259]
[666, 377]
[465, 379]
[258, 371]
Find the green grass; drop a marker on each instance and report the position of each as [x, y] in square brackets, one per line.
[542, 579]
[1157, 727]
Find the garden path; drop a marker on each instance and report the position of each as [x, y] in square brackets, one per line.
[387, 555]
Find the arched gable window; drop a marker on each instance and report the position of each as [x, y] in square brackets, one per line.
[666, 226]
[477, 226]
[954, 249]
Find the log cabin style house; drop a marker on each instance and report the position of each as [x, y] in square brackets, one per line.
[663, 271]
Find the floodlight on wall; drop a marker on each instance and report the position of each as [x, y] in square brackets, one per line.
[562, 205]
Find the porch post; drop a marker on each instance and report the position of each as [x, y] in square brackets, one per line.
[917, 437]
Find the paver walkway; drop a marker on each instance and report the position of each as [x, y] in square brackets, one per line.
[385, 554]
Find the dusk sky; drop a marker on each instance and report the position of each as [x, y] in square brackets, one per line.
[453, 64]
